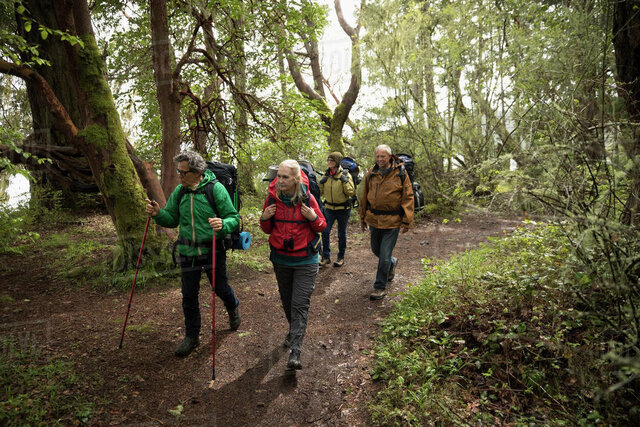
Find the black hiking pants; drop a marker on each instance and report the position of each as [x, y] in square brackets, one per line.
[191, 267]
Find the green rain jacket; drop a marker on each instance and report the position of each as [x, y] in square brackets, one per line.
[193, 213]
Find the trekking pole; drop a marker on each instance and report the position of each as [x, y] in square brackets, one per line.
[144, 237]
[213, 311]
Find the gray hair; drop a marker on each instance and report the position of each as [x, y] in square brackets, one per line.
[195, 160]
[383, 147]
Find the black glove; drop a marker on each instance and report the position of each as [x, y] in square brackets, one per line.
[344, 178]
[324, 179]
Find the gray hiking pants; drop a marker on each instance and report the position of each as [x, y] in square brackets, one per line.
[296, 285]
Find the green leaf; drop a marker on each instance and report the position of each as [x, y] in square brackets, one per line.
[177, 411]
[44, 34]
[27, 26]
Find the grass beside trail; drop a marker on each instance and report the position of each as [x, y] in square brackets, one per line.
[36, 392]
[495, 336]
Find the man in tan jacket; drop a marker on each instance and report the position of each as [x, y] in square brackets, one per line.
[386, 207]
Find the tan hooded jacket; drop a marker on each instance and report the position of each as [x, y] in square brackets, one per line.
[387, 199]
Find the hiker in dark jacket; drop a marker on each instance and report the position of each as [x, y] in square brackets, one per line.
[386, 207]
[198, 221]
[337, 188]
[292, 218]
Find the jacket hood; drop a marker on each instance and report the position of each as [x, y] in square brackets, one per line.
[207, 178]
[305, 185]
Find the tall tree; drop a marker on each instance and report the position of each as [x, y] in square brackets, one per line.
[626, 40]
[167, 91]
[335, 120]
[96, 131]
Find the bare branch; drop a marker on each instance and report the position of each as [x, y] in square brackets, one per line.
[351, 32]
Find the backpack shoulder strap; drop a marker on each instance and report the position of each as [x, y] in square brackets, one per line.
[402, 174]
[208, 193]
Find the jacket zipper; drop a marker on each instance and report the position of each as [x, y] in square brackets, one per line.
[193, 225]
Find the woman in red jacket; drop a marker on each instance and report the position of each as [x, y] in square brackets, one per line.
[293, 220]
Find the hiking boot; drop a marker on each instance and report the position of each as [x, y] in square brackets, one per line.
[392, 271]
[324, 262]
[234, 319]
[187, 345]
[339, 262]
[287, 341]
[377, 294]
[294, 360]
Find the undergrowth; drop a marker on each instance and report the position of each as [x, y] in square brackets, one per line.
[81, 248]
[33, 392]
[496, 336]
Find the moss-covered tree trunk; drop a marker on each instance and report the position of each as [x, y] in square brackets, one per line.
[97, 132]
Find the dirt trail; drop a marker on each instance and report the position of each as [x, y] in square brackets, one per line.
[143, 381]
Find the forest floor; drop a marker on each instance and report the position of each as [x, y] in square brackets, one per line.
[144, 383]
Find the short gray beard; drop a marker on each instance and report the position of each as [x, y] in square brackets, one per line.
[194, 187]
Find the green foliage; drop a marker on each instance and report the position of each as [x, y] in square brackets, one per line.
[14, 230]
[515, 80]
[497, 335]
[280, 123]
[36, 392]
[15, 48]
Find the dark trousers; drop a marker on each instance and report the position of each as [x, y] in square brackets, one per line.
[342, 216]
[382, 243]
[296, 285]
[191, 268]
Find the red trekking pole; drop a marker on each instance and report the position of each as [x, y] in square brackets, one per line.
[213, 311]
[144, 237]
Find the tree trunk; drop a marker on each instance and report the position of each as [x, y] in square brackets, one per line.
[167, 93]
[68, 170]
[246, 165]
[101, 139]
[220, 126]
[626, 42]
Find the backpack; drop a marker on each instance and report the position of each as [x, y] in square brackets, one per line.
[409, 164]
[314, 188]
[227, 175]
[348, 164]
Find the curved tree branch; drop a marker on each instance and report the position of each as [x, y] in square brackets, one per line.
[62, 122]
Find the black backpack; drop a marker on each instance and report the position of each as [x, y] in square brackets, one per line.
[314, 188]
[349, 164]
[409, 164]
[227, 175]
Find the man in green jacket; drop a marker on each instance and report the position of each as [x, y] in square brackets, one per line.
[198, 220]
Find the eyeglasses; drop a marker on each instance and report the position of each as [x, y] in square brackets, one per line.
[183, 173]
